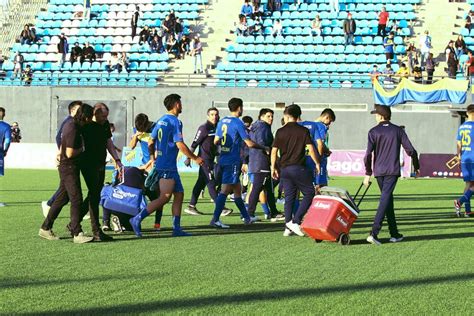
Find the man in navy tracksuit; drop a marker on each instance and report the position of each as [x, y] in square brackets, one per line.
[259, 166]
[384, 143]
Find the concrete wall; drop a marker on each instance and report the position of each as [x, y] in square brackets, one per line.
[35, 108]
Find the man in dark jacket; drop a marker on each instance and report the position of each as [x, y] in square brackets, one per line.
[76, 53]
[349, 27]
[88, 52]
[259, 167]
[134, 21]
[63, 47]
[384, 144]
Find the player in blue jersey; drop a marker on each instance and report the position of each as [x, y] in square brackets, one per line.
[322, 124]
[465, 152]
[230, 134]
[167, 138]
[142, 135]
[5, 139]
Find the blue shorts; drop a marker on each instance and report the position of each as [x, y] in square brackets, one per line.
[2, 161]
[153, 179]
[467, 169]
[322, 177]
[230, 173]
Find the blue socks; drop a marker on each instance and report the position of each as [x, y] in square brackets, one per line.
[241, 205]
[265, 208]
[220, 203]
[466, 197]
[143, 214]
[176, 222]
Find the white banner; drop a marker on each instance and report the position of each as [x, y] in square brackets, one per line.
[31, 156]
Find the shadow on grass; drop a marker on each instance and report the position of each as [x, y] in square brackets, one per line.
[420, 238]
[179, 304]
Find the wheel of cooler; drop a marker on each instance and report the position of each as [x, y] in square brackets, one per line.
[330, 216]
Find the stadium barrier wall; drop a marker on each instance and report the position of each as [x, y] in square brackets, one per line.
[432, 129]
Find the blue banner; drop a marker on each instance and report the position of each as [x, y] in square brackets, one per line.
[451, 90]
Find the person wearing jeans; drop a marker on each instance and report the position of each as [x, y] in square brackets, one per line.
[196, 50]
[349, 27]
[384, 143]
[291, 142]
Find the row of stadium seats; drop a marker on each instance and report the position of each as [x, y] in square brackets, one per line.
[133, 2]
[294, 84]
[82, 82]
[87, 66]
[309, 48]
[310, 40]
[343, 2]
[117, 9]
[43, 49]
[248, 68]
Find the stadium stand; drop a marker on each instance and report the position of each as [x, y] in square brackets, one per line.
[108, 31]
[299, 59]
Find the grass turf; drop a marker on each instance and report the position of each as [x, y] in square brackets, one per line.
[243, 270]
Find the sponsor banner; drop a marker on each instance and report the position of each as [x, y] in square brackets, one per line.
[439, 165]
[351, 163]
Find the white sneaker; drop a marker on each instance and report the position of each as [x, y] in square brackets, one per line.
[295, 228]
[371, 239]
[116, 225]
[47, 234]
[45, 207]
[268, 216]
[226, 211]
[87, 216]
[219, 224]
[192, 210]
[2, 204]
[281, 201]
[81, 238]
[253, 219]
[287, 233]
[396, 239]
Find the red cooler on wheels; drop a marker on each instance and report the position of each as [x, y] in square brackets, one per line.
[331, 215]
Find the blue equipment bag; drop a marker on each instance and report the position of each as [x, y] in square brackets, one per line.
[123, 199]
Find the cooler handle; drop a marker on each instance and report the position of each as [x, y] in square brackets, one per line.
[363, 194]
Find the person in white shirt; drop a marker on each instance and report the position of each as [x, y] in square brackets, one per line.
[277, 28]
[425, 46]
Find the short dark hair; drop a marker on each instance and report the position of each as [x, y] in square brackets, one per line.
[264, 111]
[84, 113]
[212, 109]
[470, 108]
[235, 103]
[293, 110]
[171, 100]
[247, 120]
[99, 106]
[73, 104]
[141, 122]
[329, 113]
[2, 110]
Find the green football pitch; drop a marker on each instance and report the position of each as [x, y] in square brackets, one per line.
[243, 270]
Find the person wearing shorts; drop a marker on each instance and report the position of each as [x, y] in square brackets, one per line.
[465, 151]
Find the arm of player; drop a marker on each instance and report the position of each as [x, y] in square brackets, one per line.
[312, 154]
[410, 150]
[368, 160]
[73, 152]
[252, 144]
[458, 150]
[188, 153]
[134, 141]
[113, 152]
[6, 142]
[273, 159]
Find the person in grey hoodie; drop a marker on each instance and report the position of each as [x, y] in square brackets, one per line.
[259, 167]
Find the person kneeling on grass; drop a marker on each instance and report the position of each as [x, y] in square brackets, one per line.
[292, 141]
[465, 148]
[167, 136]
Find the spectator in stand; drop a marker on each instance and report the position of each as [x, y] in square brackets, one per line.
[2, 59]
[247, 9]
[425, 47]
[134, 21]
[88, 52]
[178, 28]
[469, 20]
[144, 35]
[113, 63]
[242, 27]
[63, 48]
[470, 66]
[18, 61]
[167, 27]
[76, 53]
[123, 60]
[334, 5]
[460, 46]
[34, 38]
[27, 75]
[394, 28]
[272, 5]
[374, 74]
[452, 65]
[349, 27]
[156, 44]
[196, 52]
[86, 12]
[173, 18]
[277, 28]
[257, 27]
[26, 36]
[172, 46]
[418, 74]
[388, 46]
[257, 10]
[403, 72]
[184, 45]
[412, 56]
[430, 68]
[450, 49]
[16, 133]
[383, 21]
[316, 26]
[388, 74]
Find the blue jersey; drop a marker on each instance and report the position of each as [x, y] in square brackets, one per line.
[5, 136]
[313, 133]
[465, 137]
[166, 133]
[143, 140]
[231, 132]
[322, 131]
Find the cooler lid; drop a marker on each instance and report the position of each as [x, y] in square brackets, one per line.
[340, 193]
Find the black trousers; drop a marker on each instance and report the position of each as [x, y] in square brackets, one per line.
[262, 181]
[69, 190]
[381, 30]
[94, 176]
[293, 179]
[205, 178]
[385, 209]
